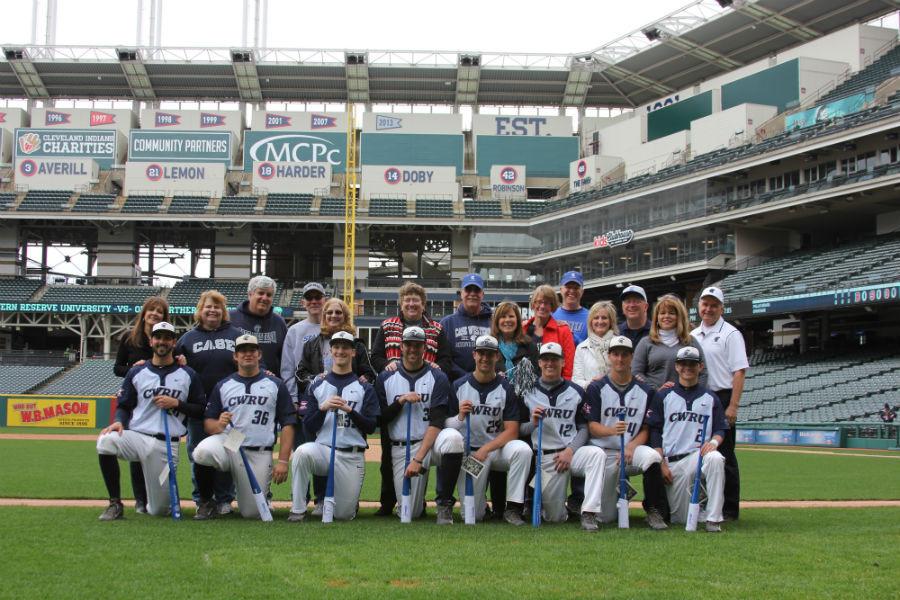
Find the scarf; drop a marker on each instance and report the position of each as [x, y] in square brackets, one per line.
[669, 337]
[599, 347]
[508, 350]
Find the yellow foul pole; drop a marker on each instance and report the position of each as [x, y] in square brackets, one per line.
[350, 169]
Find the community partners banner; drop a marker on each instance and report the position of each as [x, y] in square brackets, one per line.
[49, 411]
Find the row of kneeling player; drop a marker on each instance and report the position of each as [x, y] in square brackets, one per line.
[430, 421]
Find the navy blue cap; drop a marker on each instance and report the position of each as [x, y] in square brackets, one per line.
[472, 279]
[572, 277]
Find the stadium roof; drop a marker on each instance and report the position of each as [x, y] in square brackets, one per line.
[694, 44]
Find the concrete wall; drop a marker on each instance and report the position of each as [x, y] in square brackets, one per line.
[731, 127]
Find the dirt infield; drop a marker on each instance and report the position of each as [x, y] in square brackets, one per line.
[750, 504]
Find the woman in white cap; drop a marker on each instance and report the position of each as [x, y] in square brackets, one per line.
[592, 355]
[670, 331]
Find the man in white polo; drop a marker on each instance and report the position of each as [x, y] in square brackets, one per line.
[726, 364]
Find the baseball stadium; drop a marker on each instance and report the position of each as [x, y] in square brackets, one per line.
[325, 241]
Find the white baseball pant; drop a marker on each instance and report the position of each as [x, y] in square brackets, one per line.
[587, 462]
[311, 459]
[151, 453]
[679, 493]
[418, 484]
[644, 458]
[515, 459]
[212, 453]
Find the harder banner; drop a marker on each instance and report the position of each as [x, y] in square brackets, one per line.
[181, 146]
[288, 177]
[295, 147]
[76, 412]
[67, 143]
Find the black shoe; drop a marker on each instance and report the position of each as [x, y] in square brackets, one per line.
[206, 511]
[384, 511]
[140, 508]
[114, 511]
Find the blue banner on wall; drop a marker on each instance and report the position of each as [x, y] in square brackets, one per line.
[780, 437]
[815, 437]
[829, 110]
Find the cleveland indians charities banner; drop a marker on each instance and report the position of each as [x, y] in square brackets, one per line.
[101, 145]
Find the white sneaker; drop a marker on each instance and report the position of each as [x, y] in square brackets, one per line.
[318, 509]
[224, 508]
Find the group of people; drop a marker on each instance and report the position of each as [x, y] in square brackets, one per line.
[470, 395]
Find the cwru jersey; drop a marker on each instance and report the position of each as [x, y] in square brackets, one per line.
[147, 381]
[492, 404]
[256, 404]
[606, 403]
[679, 414]
[564, 413]
[360, 397]
[430, 383]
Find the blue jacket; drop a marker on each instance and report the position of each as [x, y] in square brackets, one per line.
[269, 330]
[210, 353]
[461, 330]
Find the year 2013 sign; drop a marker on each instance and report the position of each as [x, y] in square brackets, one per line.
[63, 411]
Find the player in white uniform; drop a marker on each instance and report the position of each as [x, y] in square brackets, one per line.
[561, 406]
[137, 434]
[252, 403]
[620, 393]
[339, 395]
[494, 416]
[406, 396]
[676, 419]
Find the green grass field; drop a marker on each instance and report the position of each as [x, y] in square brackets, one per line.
[770, 553]
[68, 469]
[785, 553]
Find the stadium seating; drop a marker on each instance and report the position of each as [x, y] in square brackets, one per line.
[434, 208]
[98, 294]
[815, 389]
[45, 201]
[288, 204]
[7, 199]
[238, 205]
[16, 379]
[186, 293]
[94, 203]
[862, 263]
[387, 207]
[18, 289]
[143, 204]
[332, 207]
[188, 205]
[481, 209]
[868, 78]
[93, 377]
[523, 209]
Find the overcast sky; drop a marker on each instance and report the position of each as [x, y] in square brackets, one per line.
[525, 26]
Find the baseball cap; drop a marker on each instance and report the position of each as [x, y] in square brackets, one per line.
[688, 354]
[414, 334]
[714, 292]
[551, 349]
[312, 286]
[635, 289]
[342, 337]
[487, 342]
[472, 279]
[572, 277]
[620, 341]
[163, 326]
[246, 340]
